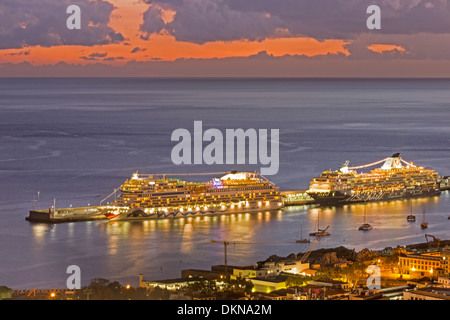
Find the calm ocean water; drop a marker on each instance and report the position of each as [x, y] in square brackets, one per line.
[75, 140]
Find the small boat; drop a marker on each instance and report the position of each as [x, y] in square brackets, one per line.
[301, 237]
[365, 226]
[411, 217]
[319, 232]
[424, 223]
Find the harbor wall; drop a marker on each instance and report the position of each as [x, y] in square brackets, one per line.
[65, 215]
[296, 197]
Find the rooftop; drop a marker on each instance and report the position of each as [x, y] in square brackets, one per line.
[277, 279]
[221, 268]
[331, 281]
[436, 292]
[176, 280]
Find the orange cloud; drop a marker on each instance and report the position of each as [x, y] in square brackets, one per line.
[126, 19]
[380, 48]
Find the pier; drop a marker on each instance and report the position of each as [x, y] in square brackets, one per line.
[290, 198]
[66, 215]
[296, 197]
[444, 184]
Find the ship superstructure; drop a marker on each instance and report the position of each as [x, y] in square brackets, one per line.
[157, 196]
[395, 179]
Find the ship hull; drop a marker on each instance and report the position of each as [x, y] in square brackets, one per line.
[145, 214]
[340, 198]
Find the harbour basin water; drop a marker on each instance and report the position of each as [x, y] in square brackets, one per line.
[75, 140]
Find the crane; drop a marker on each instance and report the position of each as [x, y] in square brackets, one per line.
[435, 241]
[304, 257]
[227, 243]
[314, 244]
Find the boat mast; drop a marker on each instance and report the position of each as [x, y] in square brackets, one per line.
[301, 230]
[318, 224]
[364, 213]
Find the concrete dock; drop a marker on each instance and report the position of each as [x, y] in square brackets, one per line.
[291, 198]
[296, 197]
[444, 185]
[66, 215]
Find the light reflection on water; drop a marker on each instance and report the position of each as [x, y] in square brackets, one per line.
[86, 152]
[160, 249]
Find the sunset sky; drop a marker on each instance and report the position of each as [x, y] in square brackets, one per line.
[225, 38]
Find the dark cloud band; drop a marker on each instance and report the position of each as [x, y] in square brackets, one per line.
[43, 22]
[211, 20]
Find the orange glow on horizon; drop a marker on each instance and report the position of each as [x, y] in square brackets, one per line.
[380, 48]
[167, 48]
[126, 19]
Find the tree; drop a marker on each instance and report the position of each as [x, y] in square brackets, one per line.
[353, 273]
[5, 292]
[295, 281]
[103, 289]
[158, 293]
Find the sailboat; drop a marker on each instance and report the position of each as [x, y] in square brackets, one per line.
[301, 236]
[424, 224]
[411, 217]
[365, 226]
[319, 232]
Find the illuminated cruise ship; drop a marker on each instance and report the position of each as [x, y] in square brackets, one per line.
[396, 179]
[156, 196]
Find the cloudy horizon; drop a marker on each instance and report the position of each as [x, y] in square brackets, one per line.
[223, 38]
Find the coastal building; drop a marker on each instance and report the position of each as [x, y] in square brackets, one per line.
[428, 293]
[288, 266]
[169, 284]
[253, 272]
[367, 295]
[319, 292]
[269, 284]
[431, 264]
[420, 283]
[269, 269]
[202, 274]
[444, 281]
[330, 283]
[308, 292]
[395, 292]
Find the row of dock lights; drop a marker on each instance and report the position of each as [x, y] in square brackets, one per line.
[206, 207]
[53, 294]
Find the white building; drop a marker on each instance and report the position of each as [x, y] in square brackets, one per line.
[428, 293]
